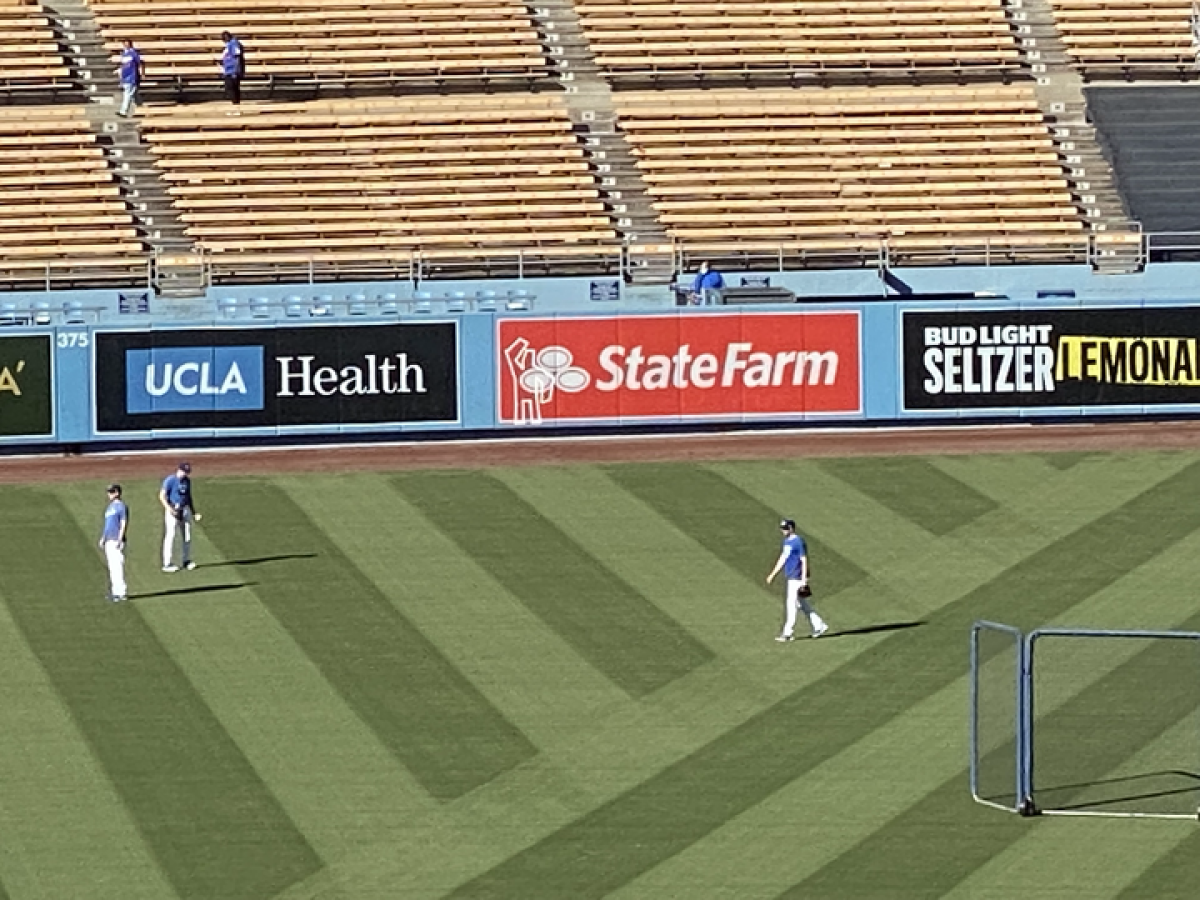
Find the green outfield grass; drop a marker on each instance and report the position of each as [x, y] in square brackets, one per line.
[559, 683]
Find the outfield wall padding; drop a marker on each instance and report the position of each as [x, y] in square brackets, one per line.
[876, 362]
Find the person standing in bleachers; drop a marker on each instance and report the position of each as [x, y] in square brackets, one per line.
[233, 67]
[131, 72]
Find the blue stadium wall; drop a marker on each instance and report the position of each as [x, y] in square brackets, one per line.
[846, 363]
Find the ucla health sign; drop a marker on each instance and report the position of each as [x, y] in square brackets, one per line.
[189, 379]
[181, 380]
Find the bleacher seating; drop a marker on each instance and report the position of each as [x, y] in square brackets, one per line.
[348, 182]
[60, 206]
[291, 42]
[821, 173]
[30, 64]
[1127, 36]
[657, 38]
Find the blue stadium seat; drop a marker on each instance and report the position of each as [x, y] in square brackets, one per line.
[322, 307]
[517, 301]
[295, 307]
[456, 302]
[74, 313]
[260, 308]
[358, 305]
[422, 302]
[8, 314]
[42, 314]
[389, 305]
[486, 301]
[228, 307]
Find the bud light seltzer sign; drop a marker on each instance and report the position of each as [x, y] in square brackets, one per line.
[1077, 357]
[192, 379]
[678, 367]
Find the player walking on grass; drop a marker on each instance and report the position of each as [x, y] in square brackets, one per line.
[793, 560]
[176, 500]
[112, 543]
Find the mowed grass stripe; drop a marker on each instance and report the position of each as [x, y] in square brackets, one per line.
[418, 705]
[727, 522]
[841, 801]
[214, 827]
[1173, 877]
[914, 489]
[925, 851]
[284, 716]
[59, 813]
[525, 669]
[690, 799]
[628, 638]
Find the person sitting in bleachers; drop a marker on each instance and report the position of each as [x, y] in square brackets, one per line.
[707, 286]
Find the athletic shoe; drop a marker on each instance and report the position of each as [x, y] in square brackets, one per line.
[189, 565]
[784, 638]
[170, 568]
[820, 631]
[118, 599]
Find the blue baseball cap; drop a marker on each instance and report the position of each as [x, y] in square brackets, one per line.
[114, 489]
[787, 525]
[185, 467]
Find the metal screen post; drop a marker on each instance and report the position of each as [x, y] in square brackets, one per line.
[978, 744]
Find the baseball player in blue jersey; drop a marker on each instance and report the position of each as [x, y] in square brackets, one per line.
[112, 542]
[179, 513]
[793, 560]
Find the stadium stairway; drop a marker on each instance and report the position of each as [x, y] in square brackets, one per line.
[178, 271]
[1059, 88]
[589, 98]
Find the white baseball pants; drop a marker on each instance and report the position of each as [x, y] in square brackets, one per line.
[170, 526]
[114, 555]
[793, 602]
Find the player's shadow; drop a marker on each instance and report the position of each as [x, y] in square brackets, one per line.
[876, 629]
[197, 589]
[259, 560]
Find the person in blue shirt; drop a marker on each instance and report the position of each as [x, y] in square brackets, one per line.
[233, 67]
[176, 500]
[112, 543]
[707, 283]
[793, 561]
[132, 71]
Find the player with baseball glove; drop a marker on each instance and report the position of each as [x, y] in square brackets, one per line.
[179, 514]
[793, 560]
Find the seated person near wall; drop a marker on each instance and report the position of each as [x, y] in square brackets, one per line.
[708, 282]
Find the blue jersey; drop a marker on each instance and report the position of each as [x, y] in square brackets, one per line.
[131, 66]
[178, 491]
[233, 60]
[708, 281]
[114, 515]
[793, 546]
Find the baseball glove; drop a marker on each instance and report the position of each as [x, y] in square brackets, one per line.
[805, 591]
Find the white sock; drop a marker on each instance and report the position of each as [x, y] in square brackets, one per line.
[817, 623]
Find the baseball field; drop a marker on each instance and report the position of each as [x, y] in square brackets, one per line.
[559, 681]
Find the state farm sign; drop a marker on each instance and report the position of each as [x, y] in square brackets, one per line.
[683, 366]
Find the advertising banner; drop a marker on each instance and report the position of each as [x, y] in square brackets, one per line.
[721, 366]
[1142, 356]
[26, 386]
[276, 377]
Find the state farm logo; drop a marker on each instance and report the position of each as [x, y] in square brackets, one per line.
[678, 366]
[537, 374]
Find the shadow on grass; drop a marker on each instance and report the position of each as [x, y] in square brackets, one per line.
[875, 629]
[259, 560]
[198, 589]
[1132, 795]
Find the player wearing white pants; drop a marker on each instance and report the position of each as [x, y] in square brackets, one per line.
[177, 523]
[112, 542]
[793, 561]
[178, 515]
